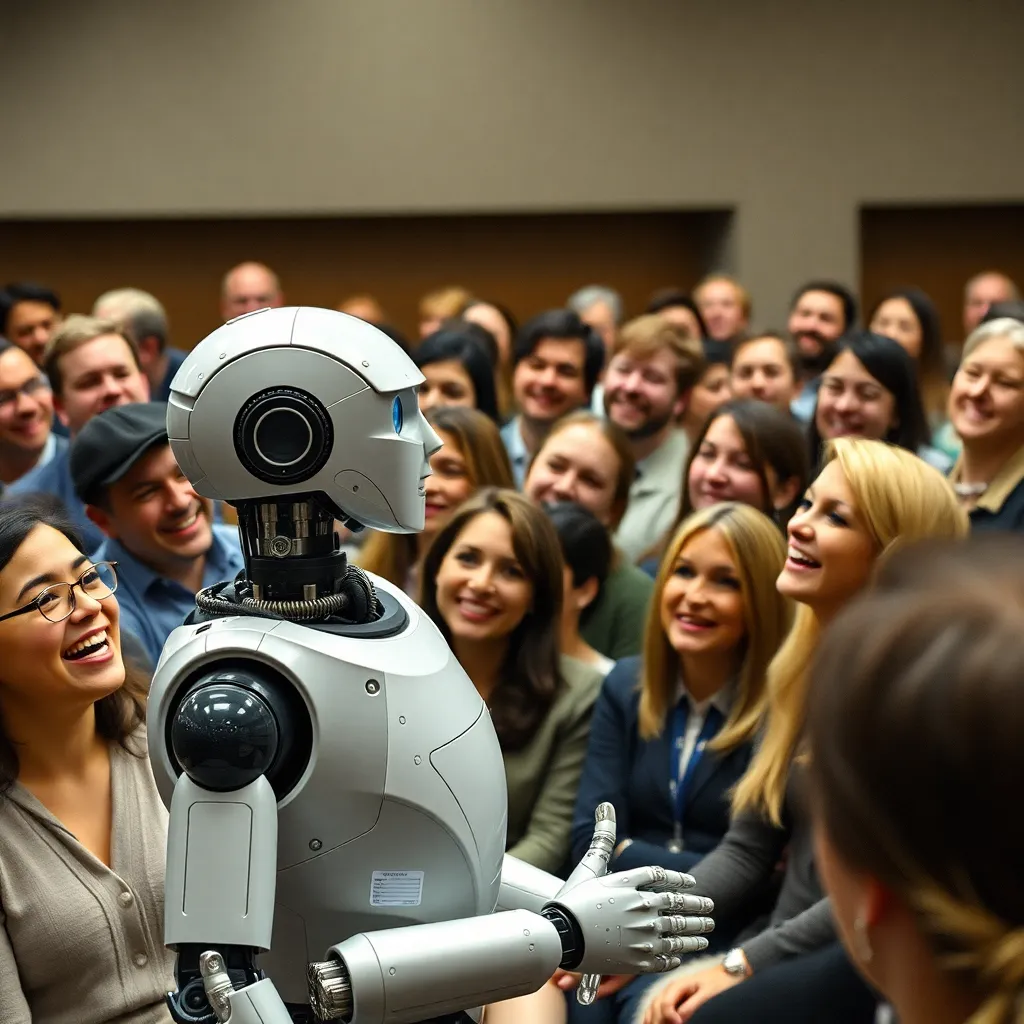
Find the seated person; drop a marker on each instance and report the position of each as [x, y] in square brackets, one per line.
[27, 439]
[673, 730]
[492, 583]
[589, 460]
[158, 529]
[586, 561]
[82, 826]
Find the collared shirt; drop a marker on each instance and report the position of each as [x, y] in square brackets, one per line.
[802, 407]
[721, 701]
[654, 497]
[153, 606]
[512, 438]
[1001, 505]
[54, 477]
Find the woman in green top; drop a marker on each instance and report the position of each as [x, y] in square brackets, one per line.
[492, 582]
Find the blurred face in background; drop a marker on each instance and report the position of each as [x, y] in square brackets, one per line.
[450, 483]
[981, 293]
[722, 469]
[642, 395]
[682, 317]
[707, 395]
[98, 375]
[30, 325]
[986, 400]
[762, 370]
[250, 286]
[721, 306]
[577, 463]
[487, 316]
[550, 381]
[26, 404]
[600, 316]
[851, 403]
[896, 319]
[816, 321]
[447, 383]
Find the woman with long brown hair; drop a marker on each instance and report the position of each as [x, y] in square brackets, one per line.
[471, 456]
[82, 826]
[492, 583]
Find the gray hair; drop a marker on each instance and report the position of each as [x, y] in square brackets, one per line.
[580, 301]
[137, 312]
[1004, 327]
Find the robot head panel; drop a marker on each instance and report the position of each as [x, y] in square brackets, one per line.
[297, 400]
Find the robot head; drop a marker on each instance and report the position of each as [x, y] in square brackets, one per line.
[298, 400]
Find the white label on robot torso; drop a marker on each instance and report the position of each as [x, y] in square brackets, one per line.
[396, 889]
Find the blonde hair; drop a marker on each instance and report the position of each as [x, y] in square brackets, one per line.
[900, 499]
[476, 437]
[645, 335]
[1002, 327]
[759, 553]
[444, 303]
[741, 293]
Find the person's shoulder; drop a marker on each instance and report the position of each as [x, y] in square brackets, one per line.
[226, 534]
[580, 677]
[42, 478]
[621, 683]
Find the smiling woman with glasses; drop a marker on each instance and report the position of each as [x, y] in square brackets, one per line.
[82, 827]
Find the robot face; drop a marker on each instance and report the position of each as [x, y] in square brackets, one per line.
[298, 400]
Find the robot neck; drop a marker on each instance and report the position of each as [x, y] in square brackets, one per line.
[290, 549]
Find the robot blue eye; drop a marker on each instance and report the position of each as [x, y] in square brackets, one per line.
[397, 416]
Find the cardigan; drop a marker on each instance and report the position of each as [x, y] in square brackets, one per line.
[614, 624]
[80, 942]
[542, 777]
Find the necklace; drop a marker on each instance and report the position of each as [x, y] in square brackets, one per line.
[969, 490]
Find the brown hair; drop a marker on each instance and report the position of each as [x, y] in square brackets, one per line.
[645, 335]
[392, 555]
[915, 714]
[789, 349]
[529, 678]
[119, 714]
[617, 438]
[759, 552]
[75, 331]
[444, 303]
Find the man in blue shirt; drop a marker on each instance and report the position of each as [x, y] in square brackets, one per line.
[158, 529]
[91, 366]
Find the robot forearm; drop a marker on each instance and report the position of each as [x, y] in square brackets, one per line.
[524, 887]
[424, 971]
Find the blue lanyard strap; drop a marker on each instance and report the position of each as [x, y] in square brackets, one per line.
[682, 775]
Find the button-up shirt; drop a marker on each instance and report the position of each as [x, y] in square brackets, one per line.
[153, 606]
[1001, 505]
[54, 477]
[654, 497]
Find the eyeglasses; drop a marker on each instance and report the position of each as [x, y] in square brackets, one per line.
[30, 387]
[57, 601]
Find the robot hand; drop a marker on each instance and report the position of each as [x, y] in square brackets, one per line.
[634, 922]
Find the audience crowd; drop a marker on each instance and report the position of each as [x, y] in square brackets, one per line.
[758, 587]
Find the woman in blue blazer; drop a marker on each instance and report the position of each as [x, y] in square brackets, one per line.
[672, 730]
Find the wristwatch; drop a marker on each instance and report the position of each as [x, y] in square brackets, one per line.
[735, 963]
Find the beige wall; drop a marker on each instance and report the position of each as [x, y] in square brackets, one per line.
[793, 112]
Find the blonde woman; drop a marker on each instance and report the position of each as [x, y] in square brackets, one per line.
[471, 456]
[673, 729]
[916, 691]
[869, 498]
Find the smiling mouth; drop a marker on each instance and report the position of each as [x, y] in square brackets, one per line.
[694, 623]
[474, 611]
[799, 560]
[183, 525]
[89, 647]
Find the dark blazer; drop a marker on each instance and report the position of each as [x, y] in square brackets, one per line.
[633, 775]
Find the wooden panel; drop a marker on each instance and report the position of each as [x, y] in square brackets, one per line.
[528, 262]
[939, 249]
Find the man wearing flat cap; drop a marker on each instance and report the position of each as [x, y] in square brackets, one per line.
[159, 531]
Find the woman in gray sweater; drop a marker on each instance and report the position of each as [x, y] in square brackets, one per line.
[868, 498]
[82, 827]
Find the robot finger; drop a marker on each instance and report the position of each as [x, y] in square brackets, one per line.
[681, 903]
[662, 880]
[660, 964]
[684, 944]
[679, 924]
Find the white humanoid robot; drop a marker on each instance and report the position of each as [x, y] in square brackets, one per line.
[336, 789]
